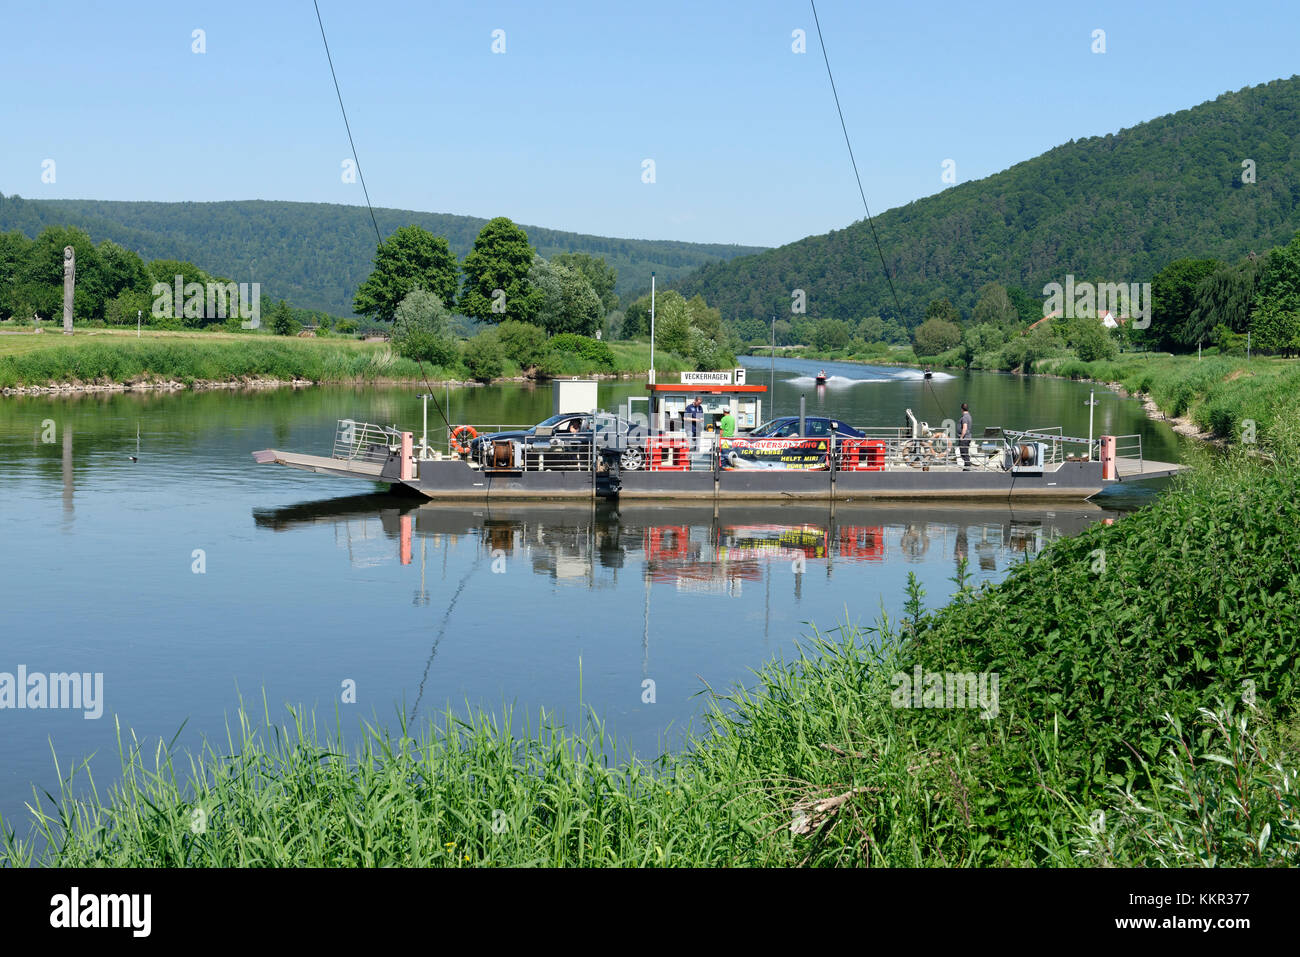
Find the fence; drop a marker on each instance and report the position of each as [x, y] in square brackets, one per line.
[364, 442]
[876, 450]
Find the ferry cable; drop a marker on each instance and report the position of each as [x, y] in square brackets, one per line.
[861, 192]
[346, 125]
[442, 414]
[442, 630]
[362, 176]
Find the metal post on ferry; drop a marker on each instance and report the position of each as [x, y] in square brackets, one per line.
[652, 328]
[424, 435]
[1092, 404]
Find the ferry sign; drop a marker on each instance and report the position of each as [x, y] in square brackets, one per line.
[706, 378]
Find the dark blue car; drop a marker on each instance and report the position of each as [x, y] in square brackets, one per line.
[787, 426]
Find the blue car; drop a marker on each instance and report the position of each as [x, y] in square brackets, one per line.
[787, 426]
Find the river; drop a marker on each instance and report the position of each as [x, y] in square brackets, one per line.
[190, 575]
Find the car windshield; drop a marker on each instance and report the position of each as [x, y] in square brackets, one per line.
[553, 420]
[769, 427]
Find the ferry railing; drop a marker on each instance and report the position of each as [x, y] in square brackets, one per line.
[480, 430]
[1129, 446]
[364, 442]
[679, 451]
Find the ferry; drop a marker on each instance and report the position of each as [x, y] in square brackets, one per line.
[649, 449]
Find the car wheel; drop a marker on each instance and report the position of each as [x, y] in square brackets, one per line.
[631, 459]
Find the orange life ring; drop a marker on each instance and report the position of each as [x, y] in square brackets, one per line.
[455, 438]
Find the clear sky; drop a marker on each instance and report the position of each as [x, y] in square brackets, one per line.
[554, 131]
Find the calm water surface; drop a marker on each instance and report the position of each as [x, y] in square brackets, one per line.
[309, 582]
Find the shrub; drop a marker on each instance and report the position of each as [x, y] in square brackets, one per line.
[935, 336]
[426, 346]
[590, 350]
[483, 357]
[345, 327]
[523, 343]
[1093, 342]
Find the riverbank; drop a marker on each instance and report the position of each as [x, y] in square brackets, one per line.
[1081, 740]
[1217, 399]
[112, 361]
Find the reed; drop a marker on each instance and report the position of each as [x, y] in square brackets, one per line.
[104, 358]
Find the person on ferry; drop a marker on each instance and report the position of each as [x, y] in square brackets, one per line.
[694, 418]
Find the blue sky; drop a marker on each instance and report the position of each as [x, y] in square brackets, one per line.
[742, 130]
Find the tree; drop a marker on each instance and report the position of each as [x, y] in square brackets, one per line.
[127, 307]
[123, 270]
[1276, 320]
[936, 336]
[636, 320]
[14, 251]
[703, 318]
[994, 306]
[42, 275]
[672, 323]
[421, 310]
[979, 339]
[496, 274]
[1173, 297]
[1224, 298]
[943, 310]
[411, 258]
[1028, 309]
[420, 325]
[871, 329]
[282, 323]
[1090, 340]
[565, 300]
[523, 342]
[602, 276]
[1276, 329]
[831, 334]
[483, 356]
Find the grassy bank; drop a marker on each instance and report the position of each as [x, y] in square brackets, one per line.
[1145, 715]
[106, 357]
[1220, 395]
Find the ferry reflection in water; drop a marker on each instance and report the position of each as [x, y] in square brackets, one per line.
[692, 548]
[640, 607]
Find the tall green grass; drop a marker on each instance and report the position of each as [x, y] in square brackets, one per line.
[187, 359]
[122, 360]
[1224, 396]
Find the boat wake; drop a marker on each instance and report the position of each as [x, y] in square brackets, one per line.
[918, 374]
[832, 382]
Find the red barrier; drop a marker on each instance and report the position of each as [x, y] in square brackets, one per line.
[863, 542]
[862, 455]
[669, 455]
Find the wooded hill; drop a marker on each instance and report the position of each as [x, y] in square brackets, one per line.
[317, 254]
[1114, 208]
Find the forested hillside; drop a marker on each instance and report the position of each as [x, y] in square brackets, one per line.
[317, 254]
[1219, 180]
